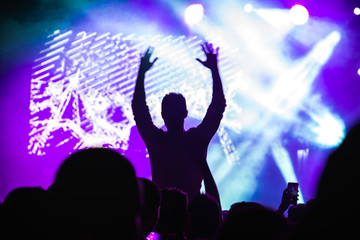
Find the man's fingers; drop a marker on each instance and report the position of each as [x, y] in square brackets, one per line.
[207, 46]
[200, 61]
[210, 47]
[154, 61]
[147, 52]
[204, 48]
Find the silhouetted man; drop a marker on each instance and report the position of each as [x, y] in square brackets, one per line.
[176, 155]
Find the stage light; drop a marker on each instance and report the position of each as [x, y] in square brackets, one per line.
[299, 15]
[357, 11]
[358, 72]
[194, 14]
[330, 130]
[248, 8]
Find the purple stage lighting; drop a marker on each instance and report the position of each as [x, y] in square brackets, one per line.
[299, 15]
[194, 14]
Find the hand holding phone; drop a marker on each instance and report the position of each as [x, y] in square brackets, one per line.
[293, 190]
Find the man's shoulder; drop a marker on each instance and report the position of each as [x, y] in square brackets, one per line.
[191, 131]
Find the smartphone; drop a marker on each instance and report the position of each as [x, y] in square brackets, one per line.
[293, 189]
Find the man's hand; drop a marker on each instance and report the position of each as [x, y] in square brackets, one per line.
[211, 56]
[285, 201]
[145, 63]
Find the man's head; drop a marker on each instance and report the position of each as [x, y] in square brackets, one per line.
[173, 211]
[151, 204]
[96, 193]
[173, 110]
[205, 215]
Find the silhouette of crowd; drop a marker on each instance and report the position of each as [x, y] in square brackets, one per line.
[96, 194]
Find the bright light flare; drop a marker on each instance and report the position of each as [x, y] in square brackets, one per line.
[248, 8]
[299, 15]
[357, 11]
[194, 14]
[278, 18]
[358, 72]
[330, 130]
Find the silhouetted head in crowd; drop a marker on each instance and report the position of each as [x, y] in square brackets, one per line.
[96, 196]
[335, 214]
[205, 217]
[341, 178]
[25, 214]
[174, 111]
[248, 220]
[173, 213]
[338, 187]
[298, 212]
[150, 205]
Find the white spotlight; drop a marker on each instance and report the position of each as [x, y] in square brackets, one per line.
[330, 130]
[299, 15]
[248, 8]
[359, 71]
[357, 11]
[194, 14]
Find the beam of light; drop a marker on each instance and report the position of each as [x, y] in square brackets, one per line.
[299, 15]
[243, 184]
[278, 18]
[328, 128]
[295, 83]
[194, 14]
[283, 160]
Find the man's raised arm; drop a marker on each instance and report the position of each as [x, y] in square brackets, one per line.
[140, 109]
[216, 109]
